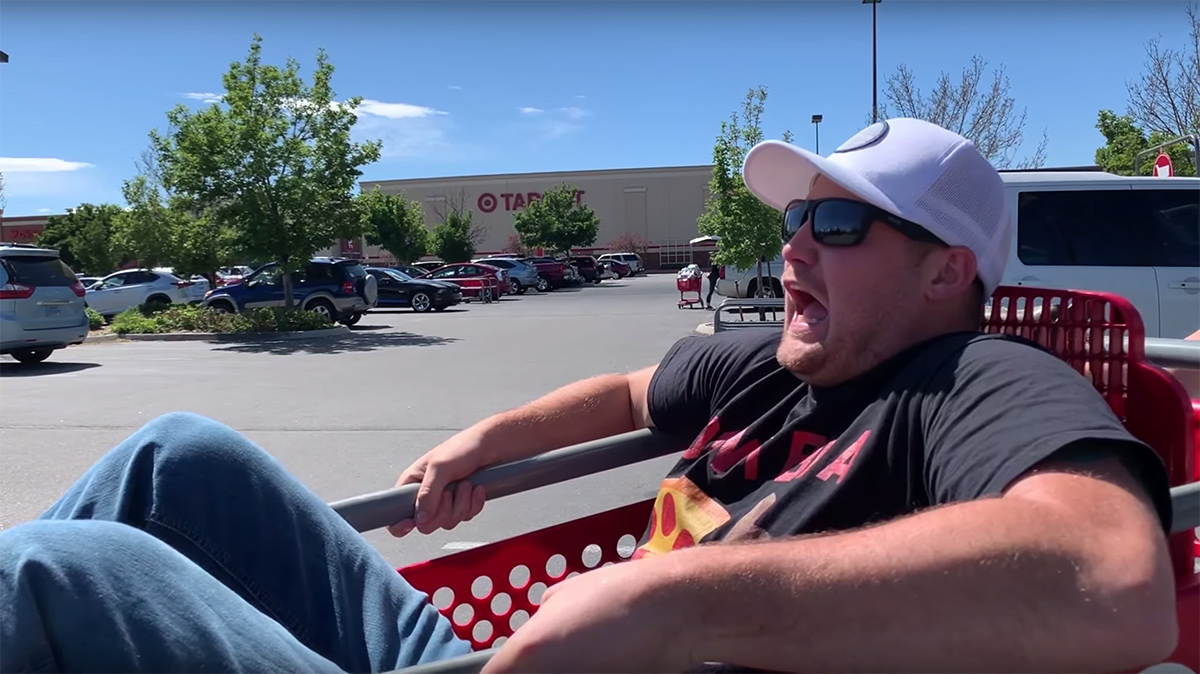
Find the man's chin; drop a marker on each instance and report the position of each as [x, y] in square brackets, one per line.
[802, 358]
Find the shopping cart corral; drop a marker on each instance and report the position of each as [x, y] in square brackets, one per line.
[1152, 405]
[759, 312]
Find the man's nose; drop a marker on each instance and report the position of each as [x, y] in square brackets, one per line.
[801, 248]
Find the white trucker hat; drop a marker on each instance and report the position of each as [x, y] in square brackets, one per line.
[910, 168]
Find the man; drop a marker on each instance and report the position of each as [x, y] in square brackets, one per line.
[890, 489]
[714, 274]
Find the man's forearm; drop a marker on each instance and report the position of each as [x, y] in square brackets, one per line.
[970, 587]
[585, 410]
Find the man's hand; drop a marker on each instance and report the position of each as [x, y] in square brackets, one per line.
[613, 619]
[437, 507]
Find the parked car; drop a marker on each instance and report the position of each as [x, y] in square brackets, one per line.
[41, 303]
[587, 267]
[397, 289]
[554, 273]
[632, 260]
[473, 278]
[195, 292]
[521, 275]
[131, 288]
[89, 281]
[614, 268]
[339, 288]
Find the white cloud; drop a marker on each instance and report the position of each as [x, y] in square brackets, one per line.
[39, 165]
[43, 211]
[455, 87]
[394, 110]
[581, 97]
[204, 97]
[530, 111]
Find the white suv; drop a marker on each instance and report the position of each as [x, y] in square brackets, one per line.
[134, 287]
[41, 303]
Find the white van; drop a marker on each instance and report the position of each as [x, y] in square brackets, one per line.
[1137, 237]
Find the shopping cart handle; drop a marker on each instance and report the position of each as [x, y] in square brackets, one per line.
[471, 663]
[380, 509]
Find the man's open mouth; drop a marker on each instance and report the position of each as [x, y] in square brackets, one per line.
[809, 307]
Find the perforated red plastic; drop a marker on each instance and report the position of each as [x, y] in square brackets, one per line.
[487, 592]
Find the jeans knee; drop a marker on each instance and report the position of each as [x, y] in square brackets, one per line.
[187, 443]
[67, 550]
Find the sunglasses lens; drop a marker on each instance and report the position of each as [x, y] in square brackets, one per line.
[839, 223]
[793, 218]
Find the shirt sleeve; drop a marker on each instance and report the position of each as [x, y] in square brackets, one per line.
[1004, 406]
[700, 371]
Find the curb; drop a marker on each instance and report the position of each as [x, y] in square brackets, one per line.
[100, 339]
[704, 329]
[337, 331]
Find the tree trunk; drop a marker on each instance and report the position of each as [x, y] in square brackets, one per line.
[289, 301]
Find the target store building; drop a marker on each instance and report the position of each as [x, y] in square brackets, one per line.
[660, 204]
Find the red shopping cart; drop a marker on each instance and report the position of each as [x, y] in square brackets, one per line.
[486, 592]
[689, 285]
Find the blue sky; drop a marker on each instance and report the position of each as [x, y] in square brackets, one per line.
[460, 88]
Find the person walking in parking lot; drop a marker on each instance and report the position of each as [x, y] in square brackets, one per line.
[714, 273]
[876, 486]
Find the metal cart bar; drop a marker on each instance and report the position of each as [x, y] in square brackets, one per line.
[380, 509]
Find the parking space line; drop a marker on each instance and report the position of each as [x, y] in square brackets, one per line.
[462, 545]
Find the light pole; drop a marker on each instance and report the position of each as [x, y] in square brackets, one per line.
[874, 65]
[816, 120]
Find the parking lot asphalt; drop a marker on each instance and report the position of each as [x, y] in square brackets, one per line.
[346, 416]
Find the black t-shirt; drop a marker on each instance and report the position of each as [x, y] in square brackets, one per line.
[953, 419]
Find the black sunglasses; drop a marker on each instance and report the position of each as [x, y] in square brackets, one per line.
[845, 222]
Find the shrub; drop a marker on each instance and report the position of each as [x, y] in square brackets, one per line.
[192, 318]
[95, 320]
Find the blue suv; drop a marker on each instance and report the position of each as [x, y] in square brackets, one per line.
[338, 288]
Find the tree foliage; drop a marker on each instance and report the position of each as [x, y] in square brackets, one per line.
[557, 222]
[395, 224]
[455, 238]
[1166, 98]
[982, 111]
[161, 229]
[84, 238]
[749, 229]
[274, 160]
[1124, 139]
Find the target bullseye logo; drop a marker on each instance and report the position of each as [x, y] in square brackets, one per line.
[487, 202]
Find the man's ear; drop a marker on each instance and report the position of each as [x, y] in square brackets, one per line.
[949, 273]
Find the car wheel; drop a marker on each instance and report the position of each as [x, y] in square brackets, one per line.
[322, 307]
[542, 285]
[420, 303]
[350, 320]
[221, 307]
[30, 356]
[514, 288]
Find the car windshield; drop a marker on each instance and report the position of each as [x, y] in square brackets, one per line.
[398, 275]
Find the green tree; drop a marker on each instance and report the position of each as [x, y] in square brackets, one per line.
[395, 224]
[749, 229]
[557, 222]
[1124, 139]
[144, 230]
[274, 161]
[452, 237]
[84, 238]
[169, 230]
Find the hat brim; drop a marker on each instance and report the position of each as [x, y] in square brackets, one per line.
[778, 173]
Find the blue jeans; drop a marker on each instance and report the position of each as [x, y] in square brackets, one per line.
[187, 548]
